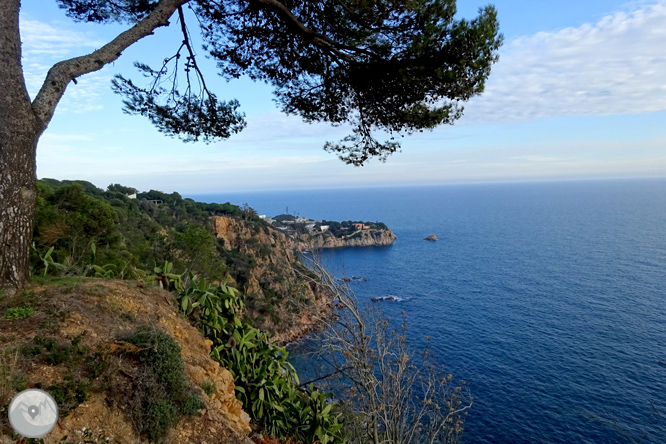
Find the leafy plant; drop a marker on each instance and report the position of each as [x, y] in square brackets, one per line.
[166, 279]
[107, 271]
[15, 313]
[265, 381]
[48, 261]
[213, 308]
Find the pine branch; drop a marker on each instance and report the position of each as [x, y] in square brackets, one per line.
[66, 71]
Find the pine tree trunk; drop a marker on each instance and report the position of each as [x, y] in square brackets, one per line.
[19, 132]
[17, 194]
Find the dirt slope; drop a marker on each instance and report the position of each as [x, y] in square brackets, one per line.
[66, 337]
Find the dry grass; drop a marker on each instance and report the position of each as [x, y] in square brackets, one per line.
[9, 373]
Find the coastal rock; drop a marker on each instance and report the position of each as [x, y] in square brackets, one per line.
[364, 238]
[431, 238]
[384, 298]
[275, 272]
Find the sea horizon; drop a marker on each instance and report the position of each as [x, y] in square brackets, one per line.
[199, 194]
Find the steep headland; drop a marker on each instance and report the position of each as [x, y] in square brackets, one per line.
[281, 294]
[309, 234]
[365, 238]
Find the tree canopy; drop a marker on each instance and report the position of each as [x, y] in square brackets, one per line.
[385, 67]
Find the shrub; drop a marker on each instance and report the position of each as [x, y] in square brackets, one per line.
[160, 395]
[208, 387]
[265, 381]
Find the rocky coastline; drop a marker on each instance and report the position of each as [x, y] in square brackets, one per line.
[365, 238]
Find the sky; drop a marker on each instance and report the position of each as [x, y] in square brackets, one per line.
[579, 92]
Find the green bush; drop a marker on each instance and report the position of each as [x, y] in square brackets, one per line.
[160, 396]
[265, 381]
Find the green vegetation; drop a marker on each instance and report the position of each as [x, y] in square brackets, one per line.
[284, 217]
[18, 313]
[265, 381]
[82, 230]
[79, 227]
[159, 396]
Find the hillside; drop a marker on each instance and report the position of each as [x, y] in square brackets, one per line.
[74, 338]
[156, 318]
[135, 232]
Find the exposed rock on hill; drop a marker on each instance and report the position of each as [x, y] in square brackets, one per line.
[281, 296]
[364, 238]
[70, 343]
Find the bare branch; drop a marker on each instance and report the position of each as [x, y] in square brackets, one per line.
[400, 398]
[66, 71]
[192, 58]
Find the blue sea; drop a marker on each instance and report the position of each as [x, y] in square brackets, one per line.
[548, 299]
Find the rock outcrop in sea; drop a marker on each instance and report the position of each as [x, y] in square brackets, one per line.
[432, 238]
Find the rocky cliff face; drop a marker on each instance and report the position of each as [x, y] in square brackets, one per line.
[280, 293]
[364, 238]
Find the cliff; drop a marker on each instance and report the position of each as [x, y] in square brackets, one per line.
[280, 293]
[364, 238]
[71, 341]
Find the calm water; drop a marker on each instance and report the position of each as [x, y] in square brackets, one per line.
[547, 298]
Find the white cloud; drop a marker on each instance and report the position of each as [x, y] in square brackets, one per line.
[614, 66]
[53, 145]
[45, 44]
[47, 40]
[540, 159]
